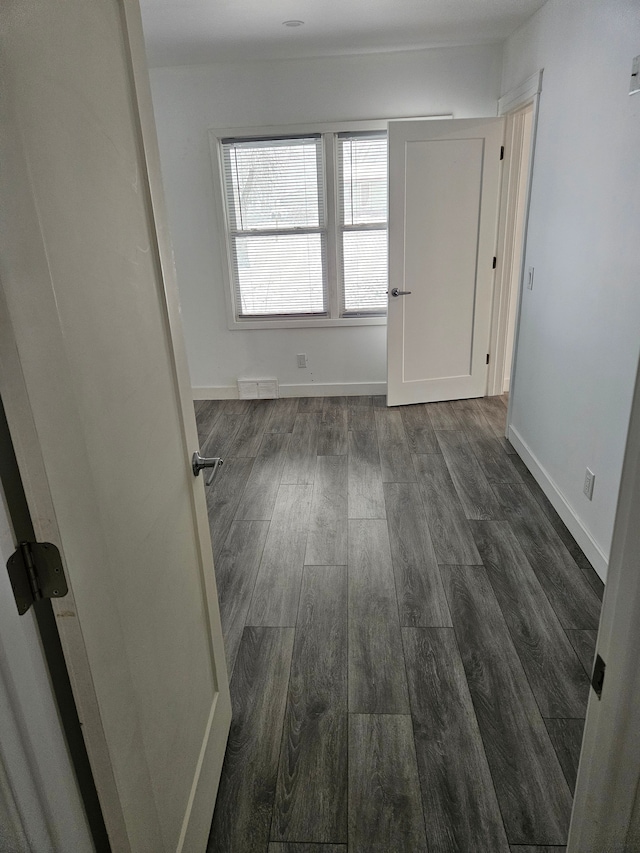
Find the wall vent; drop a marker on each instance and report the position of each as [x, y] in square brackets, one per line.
[258, 389]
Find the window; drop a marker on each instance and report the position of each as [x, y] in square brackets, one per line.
[362, 217]
[306, 227]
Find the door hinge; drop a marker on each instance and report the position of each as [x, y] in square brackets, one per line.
[597, 678]
[502, 152]
[35, 572]
[487, 358]
[495, 263]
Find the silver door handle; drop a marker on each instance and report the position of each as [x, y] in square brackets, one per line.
[199, 462]
[396, 292]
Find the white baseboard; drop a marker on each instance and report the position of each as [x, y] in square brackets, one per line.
[215, 392]
[505, 384]
[592, 550]
[332, 389]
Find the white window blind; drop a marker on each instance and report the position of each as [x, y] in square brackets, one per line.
[277, 225]
[362, 222]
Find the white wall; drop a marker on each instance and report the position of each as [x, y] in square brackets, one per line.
[580, 325]
[190, 100]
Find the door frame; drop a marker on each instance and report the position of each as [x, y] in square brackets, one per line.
[511, 106]
[28, 450]
[46, 781]
[474, 382]
[606, 807]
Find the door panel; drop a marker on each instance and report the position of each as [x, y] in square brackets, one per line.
[443, 203]
[94, 384]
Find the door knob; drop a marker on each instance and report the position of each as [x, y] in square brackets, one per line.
[396, 292]
[199, 462]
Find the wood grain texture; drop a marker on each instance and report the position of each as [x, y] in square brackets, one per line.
[566, 737]
[327, 537]
[278, 847]
[377, 680]
[395, 459]
[443, 416]
[379, 401]
[527, 848]
[311, 796]
[584, 643]
[223, 497]
[207, 412]
[593, 579]
[476, 496]
[421, 437]
[385, 809]
[471, 418]
[332, 438]
[571, 596]
[300, 461]
[495, 462]
[237, 407]
[532, 792]
[222, 435]
[248, 438]
[244, 804]
[555, 674]
[421, 598]
[494, 410]
[277, 590]
[361, 413]
[310, 405]
[236, 571]
[366, 498]
[259, 496]
[449, 528]
[283, 415]
[460, 806]
[556, 522]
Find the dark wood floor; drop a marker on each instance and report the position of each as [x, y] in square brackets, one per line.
[409, 627]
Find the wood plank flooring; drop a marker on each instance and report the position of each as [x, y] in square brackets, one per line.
[409, 630]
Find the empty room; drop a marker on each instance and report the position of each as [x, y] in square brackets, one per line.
[320, 426]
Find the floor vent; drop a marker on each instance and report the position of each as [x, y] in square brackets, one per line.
[258, 389]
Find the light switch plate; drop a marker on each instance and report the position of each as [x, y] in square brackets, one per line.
[634, 88]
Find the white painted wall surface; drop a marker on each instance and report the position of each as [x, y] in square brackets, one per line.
[190, 100]
[40, 806]
[580, 326]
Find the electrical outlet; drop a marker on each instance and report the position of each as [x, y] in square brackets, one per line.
[530, 279]
[302, 359]
[589, 481]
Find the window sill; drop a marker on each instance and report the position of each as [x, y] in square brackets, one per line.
[306, 323]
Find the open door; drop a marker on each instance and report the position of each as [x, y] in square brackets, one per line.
[444, 187]
[94, 380]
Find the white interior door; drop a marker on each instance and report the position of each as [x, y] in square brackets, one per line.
[444, 186]
[94, 381]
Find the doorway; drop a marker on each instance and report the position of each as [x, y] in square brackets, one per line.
[458, 200]
[514, 205]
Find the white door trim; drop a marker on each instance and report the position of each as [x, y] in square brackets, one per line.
[511, 238]
[516, 99]
[605, 812]
[520, 95]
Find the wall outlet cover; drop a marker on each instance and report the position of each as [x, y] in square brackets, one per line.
[589, 481]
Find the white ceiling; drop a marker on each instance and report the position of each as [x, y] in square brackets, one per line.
[187, 32]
